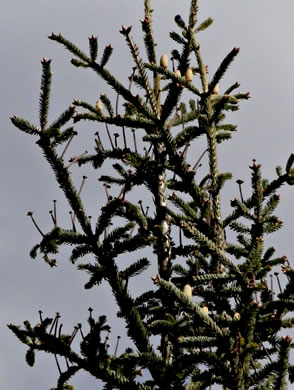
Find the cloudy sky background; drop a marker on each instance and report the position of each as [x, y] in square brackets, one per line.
[263, 31]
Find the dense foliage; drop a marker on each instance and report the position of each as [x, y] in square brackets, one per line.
[212, 308]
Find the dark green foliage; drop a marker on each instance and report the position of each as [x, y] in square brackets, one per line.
[204, 25]
[180, 22]
[176, 78]
[107, 103]
[24, 125]
[177, 38]
[63, 119]
[222, 69]
[141, 69]
[106, 55]
[93, 44]
[30, 357]
[45, 92]
[218, 308]
[148, 33]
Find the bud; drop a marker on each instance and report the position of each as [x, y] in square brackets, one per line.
[178, 73]
[164, 61]
[125, 30]
[99, 106]
[216, 90]
[189, 75]
[204, 310]
[155, 279]
[187, 290]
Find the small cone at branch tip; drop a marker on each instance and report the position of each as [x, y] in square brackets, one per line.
[189, 75]
[178, 73]
[187, 290]
[204, 310]
[164, 61]
[216, 90]
[236, 316]
[99, 106]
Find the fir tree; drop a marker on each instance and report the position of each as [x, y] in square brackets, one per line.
[213, 306]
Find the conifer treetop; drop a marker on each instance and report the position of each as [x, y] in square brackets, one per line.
[213, 305]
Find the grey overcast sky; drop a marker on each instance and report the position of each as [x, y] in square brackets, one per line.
[264, 31]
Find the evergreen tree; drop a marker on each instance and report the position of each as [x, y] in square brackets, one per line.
[212, 308]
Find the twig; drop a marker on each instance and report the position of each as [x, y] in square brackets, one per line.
[272, 287]
[30, 214]
[131, 78]
[279, 284]
[106, 187]
[135, 142]
[58, 366]
[65, 149]
[196, 166]
[240, 182]
[116, 347]
[72, 221]
[124, 137]
[116, 135]
[76, 159]
[109, 136]
[82, 185]
[55, 211]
